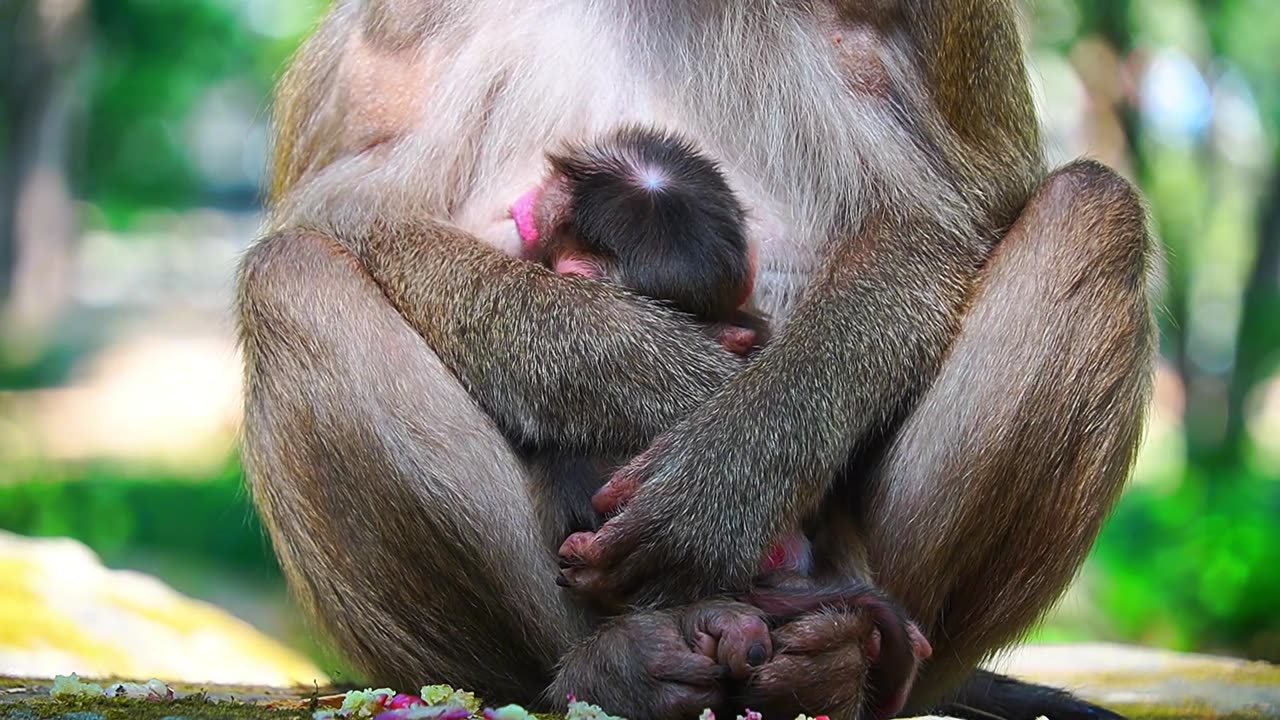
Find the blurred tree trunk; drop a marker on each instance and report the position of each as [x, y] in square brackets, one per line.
[1110, 20]
[1214, 413]
[1258, 333]
[1259, 328]
[40, 44]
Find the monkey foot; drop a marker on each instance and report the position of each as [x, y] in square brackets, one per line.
[735, 635]
[819, 655]
[668, 664]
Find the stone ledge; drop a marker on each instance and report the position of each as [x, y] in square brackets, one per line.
[1141, 683]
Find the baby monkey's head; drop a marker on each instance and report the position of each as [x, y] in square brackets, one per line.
[647, 210]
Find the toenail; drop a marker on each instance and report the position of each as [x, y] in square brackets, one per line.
[756, 655]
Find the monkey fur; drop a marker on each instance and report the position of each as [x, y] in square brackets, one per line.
[953, 394]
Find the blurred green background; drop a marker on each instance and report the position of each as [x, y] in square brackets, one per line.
[132, 146]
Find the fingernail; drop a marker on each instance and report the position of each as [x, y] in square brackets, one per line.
[756, 655]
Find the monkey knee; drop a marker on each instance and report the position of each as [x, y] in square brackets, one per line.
[285, 255]
[272, 261]
[1082, 240]
[1100, 217]
[287, 269]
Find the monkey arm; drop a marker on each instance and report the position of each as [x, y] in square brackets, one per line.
[761, 454]
[555, 361]
[867, 339]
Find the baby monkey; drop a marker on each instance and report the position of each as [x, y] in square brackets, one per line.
[644, 209]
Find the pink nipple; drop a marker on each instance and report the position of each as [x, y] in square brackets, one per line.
[522, 213]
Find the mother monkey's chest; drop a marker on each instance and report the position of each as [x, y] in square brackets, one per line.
[775, 97]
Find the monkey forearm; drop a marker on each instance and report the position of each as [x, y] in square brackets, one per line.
[881, 332]
[860, 349]
[554, 360]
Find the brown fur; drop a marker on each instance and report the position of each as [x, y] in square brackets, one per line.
[389, 354]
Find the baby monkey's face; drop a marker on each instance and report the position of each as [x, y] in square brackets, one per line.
[643, 209]
[544, 219]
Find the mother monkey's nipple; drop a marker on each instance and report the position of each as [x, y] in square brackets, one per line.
[523, 211]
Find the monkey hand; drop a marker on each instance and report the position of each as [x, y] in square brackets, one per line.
[686, 530]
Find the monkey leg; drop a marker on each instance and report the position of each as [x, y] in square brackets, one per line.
[401, 518]
[405, 524]
[997, 484]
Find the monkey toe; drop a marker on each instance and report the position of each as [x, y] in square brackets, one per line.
[816, 667]
[683, 679]
[894, 648]
[845, 628]
[919, 643]
[744, 645]
[735, 635]
[676, 700]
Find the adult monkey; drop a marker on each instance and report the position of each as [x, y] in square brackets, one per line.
[972, 330]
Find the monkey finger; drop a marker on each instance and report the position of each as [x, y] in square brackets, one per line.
[593, 588]
[573, 574]
[626, 481]
[597, 549]
[578, 550]
[615, 494]
[580, 567]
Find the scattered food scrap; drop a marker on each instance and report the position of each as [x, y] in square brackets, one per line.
[152, 690]
[434, 702]
[507, 712]
[753, 715]
[71, 686]
[441, 702]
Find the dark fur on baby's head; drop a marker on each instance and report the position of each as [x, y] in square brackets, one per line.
[651, 202]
